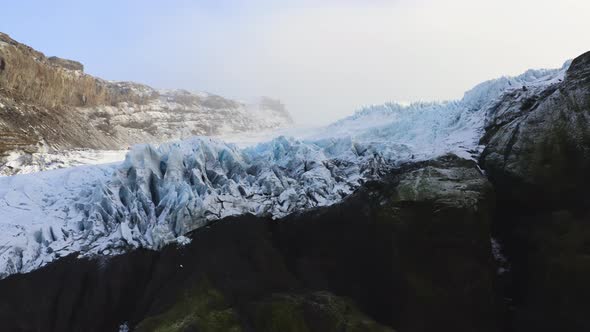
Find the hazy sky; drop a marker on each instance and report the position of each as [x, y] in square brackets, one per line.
[322, 58]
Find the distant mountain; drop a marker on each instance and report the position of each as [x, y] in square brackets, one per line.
[50, 104]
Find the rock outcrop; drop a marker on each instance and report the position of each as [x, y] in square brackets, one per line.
[51, 103]
[32, 78]
[66, 63]
[440, 212]
[538, 158]
[538, 141]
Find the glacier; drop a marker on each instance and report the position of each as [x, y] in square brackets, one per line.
[159, 193]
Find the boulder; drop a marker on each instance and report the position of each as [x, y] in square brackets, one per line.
[65, 63]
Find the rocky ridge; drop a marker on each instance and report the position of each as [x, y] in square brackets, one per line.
[50, 104]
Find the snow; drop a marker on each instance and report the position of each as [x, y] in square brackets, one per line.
[178, 114]
[124, 327]
[160, 193]
[25, 163]
[501, 260]
[424, 130]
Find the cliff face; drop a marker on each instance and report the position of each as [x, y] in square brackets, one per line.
[29, 76]
[52, 103]
[538, 141]
[538, 158]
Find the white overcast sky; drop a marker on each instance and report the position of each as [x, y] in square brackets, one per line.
[322, 58]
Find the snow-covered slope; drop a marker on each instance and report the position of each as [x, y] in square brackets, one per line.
[18, 162]
[179, 114]
[158, 194]
[426, 129]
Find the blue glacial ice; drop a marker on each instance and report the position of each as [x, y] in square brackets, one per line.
[158, 194]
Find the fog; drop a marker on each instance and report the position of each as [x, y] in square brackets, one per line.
[323, 59]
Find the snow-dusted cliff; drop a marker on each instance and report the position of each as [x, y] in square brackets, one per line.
[160, 193]
[49, 105]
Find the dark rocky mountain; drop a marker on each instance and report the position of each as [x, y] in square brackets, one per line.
[538, 158]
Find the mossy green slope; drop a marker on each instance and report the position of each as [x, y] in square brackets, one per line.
[202, 308]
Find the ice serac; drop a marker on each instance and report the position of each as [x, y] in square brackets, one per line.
[160, 193]
[425, 130]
